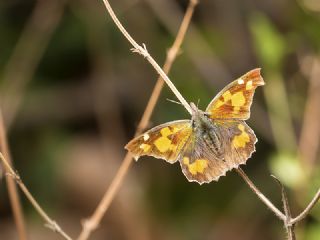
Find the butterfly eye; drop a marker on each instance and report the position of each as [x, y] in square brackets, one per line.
[193, 124]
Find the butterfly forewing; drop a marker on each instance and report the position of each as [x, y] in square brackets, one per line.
[234, 101]
[164, 141]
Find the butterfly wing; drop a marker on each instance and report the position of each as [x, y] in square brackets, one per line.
[234, 101]
[164, 141]
[200, 163]
[241, 142]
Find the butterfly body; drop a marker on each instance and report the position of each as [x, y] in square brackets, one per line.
[209, 130]
[213, 141]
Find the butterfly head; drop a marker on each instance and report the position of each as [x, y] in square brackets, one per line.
[194, 108]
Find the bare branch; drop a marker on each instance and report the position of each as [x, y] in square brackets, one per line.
[289, 227]
[306, 211]
[12, 188]
[92, 223]
[49, 222]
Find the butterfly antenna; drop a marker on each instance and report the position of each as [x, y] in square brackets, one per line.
[170, 100]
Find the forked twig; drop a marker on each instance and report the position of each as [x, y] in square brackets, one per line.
[306, 211]
[49, 222]
[287, 219]
[92, 223]
[260, 195]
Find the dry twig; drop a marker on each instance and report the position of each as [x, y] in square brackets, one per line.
[289, 227]
[306, 211]
[310, 132]
[142, 50]
[49, 222]
[12, 189]
[92, 223]
[19, 71]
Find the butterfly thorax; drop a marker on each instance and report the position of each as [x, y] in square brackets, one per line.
[208, 130]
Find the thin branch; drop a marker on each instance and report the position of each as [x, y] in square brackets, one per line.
[310, 131]
[142, 50]
[49, 222]
[18, 73]
[12, 188]
[289, 227]
[306, 211]
[260, 195]
[92, 223]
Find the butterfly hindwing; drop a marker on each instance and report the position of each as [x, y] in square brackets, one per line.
[200, 163]
[164, 141]
[240, 140]
[234, 101]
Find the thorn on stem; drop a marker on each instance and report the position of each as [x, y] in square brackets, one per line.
[53, 226]
[195, 2]
[285, 203]
[142, 50]
[15, 176]
[89, 224]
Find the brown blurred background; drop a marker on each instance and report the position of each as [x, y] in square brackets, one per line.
[72, 94]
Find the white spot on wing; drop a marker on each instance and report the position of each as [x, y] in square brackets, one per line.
[146, 136]
[249, 85]
[240, 81]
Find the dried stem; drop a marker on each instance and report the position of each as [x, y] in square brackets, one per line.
[19, 71]
[12, 188]
[306, 211]
[289, 227]
[143, 51]
[310, 131]
[92, 223]
[287, 219]
[49, 222]
[262, 197]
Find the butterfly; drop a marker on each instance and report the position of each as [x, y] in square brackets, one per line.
[212, 142]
